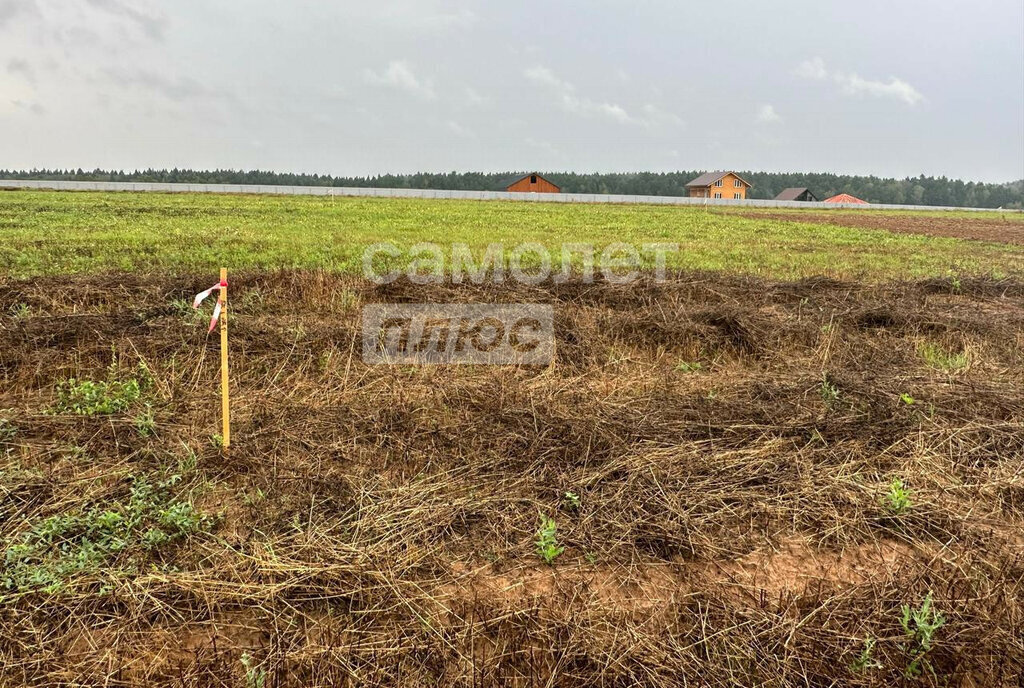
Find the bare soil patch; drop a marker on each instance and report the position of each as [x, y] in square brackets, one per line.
[1007, 231]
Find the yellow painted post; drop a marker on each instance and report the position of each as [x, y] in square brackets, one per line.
[225, 399]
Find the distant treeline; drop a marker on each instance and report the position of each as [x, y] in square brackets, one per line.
[912, 190]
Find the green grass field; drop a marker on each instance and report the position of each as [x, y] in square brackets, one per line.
[81, 232]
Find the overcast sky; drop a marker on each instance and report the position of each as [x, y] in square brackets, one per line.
[356, 88]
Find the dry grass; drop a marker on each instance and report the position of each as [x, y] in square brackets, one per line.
[376, 525]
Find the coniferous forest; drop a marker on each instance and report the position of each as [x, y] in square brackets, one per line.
[922, 190]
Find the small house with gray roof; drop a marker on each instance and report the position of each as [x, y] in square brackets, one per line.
[796, 193]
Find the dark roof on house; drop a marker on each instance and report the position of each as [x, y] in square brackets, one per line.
[506, 182]
[792, 193]
[709, 178]
[509, 181]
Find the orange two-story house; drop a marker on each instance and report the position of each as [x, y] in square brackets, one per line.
[718, 185]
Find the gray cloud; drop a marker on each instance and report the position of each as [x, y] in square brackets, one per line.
[11, 9]
[178, 89]
[854, 84]
[403, 85]
[418, 16]
[22, 68]
[766, 113]
[460, 130]
[32, 106]
[399, 74]
[153, 24]
[567, 97]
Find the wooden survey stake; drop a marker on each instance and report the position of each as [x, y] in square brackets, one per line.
[220, 312]
[225, 395]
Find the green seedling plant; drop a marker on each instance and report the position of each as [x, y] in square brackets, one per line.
[689, 366]
[938, 358]
[88, 398]
[251, 299]
[920, 626]
[897, 499]
[254, 498]
[103, 397]
[7, 430]
[907, 399]
[346, 299]
[191, 316]
[57, 549]
[829, 391]
[866, 660]
[547, 540]
[145, 424]
[255, 675]
[571, 501]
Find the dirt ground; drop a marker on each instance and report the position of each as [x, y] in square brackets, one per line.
[982, 229]
[732, 445]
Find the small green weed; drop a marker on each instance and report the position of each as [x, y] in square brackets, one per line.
[866, 661]
[144, 376]
[547, 540]
[253, 498]
[255, 675]
[7, 430]
[113, 395]
[689, 366]
[192, 316]
[60, 547]
[75, 452]
[907, 399]
[920, 626]
[829, 390]
[571, 501]
[145, 424]
[938, 358]
[346, 299]
[897, 499]
[251, 300]
[187, 463]
[21, 311]
[88, 398]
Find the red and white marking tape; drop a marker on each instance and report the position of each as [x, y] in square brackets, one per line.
[201, 296]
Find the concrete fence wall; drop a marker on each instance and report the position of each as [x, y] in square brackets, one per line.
[437, 193]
